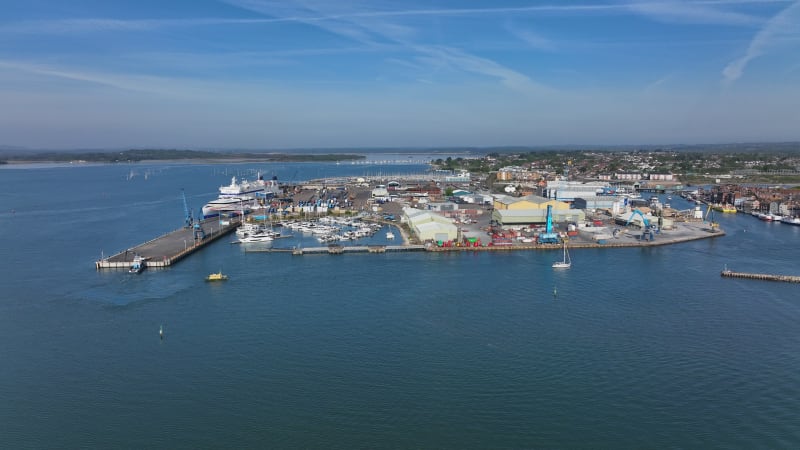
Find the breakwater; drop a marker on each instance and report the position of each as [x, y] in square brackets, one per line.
[760, 276]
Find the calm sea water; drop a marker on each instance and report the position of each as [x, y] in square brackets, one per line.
[641, 348]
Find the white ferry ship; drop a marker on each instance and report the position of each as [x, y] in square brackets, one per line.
[239, 197]
[258, 187]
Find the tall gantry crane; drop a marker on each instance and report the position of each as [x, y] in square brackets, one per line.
[188, 220]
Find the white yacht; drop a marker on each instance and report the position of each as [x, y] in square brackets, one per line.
[228, 206]
[259, 237]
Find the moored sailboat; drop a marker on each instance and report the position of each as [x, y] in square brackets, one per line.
[566, 263]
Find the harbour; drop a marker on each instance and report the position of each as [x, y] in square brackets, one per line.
[170, 248]
[367, 348]
[441, 225]
[340, 201]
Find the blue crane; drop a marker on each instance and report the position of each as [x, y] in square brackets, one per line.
[188, 222]
[549, 237]
[647, 230]
[188, 219]
[636, 212]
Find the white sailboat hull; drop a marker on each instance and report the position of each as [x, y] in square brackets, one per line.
[566, 263]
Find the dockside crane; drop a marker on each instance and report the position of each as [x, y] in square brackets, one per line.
[549, 236]
[710, 219]
[188, 220]
[647, 229]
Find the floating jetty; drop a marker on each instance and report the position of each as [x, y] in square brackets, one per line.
[760, 276]
[171, 247]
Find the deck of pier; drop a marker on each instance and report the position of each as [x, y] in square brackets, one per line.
[171, 247]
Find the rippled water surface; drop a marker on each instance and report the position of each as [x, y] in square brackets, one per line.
[639, 348]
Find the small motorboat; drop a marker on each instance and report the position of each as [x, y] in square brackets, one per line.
[219, 276]
[138, 265]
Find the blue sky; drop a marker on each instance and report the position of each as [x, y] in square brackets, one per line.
[277, 74]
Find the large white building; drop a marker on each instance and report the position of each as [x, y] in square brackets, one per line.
[568, 191]
[426, 225]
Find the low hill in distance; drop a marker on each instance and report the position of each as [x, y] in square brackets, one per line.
[127, 156]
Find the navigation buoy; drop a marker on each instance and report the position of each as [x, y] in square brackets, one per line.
[161, 332]
[555, 291]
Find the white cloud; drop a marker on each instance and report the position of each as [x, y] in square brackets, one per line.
[363, 27]
[534, 40]
[474, 64]
[704, 11]
[692, 13]
[97, 25]
[780, 25]
[123, 82]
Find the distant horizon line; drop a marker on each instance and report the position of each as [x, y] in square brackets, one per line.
[402, 149]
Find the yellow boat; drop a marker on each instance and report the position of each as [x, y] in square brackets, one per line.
[724, 208]
[216, 277]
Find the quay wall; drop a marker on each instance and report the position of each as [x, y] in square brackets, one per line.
[571, 245]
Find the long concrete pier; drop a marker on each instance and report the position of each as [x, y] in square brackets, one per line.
[760, 276]
[171, 247]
